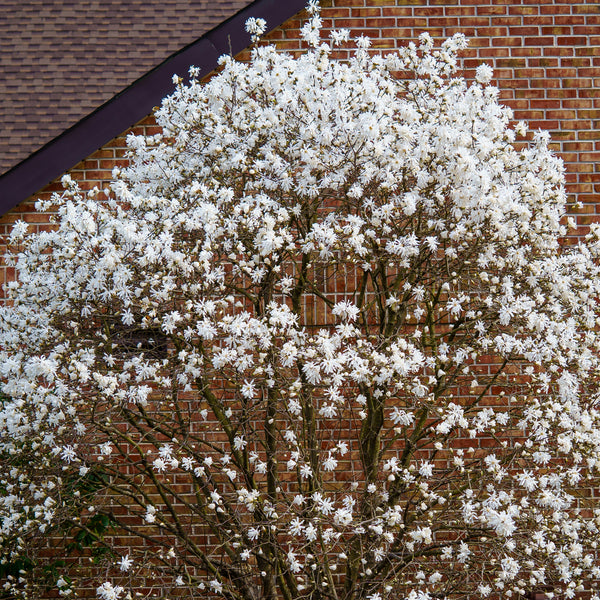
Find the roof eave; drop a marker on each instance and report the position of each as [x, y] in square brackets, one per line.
[135, 102]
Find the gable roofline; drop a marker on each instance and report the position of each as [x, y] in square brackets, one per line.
[136, 101]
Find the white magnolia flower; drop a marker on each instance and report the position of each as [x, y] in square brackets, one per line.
[125, 563]
[484, 74]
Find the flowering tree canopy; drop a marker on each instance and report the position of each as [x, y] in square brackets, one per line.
[319, 340]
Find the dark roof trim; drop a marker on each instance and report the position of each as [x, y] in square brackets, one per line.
[135, 102]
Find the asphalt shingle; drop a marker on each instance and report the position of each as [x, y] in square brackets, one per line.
[62, 59]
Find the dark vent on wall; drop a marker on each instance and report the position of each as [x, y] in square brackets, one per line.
[133, 340]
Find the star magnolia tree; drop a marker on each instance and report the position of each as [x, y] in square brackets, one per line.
[320, 340]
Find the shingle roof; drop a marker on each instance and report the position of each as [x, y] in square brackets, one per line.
[61, 59]
[72, 65]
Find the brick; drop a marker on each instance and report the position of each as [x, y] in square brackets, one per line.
[110, 164]
[506, 97]
[502, 74]
[578, 124]
[581, 168]
[562, 73]
[523, 10]
[577, 104]
[589, 72]
[498, 32]
[474, 22]
[507, 41]
[555, 51]
[578, 146]
[525, 51]
[571, 40]
[494, 52]
[379, 44]
[538, 41]
[586, 51]
[555, 9]
[556, 30]
[492, 9]
[515, 85]
[561, 114]
[562, 93]
[528, 115]
[543, 124]
[365, 12]
[585, 30]
[586, 9]
[444, 22]
[544, 62]
[428, 11]
[377, 23]
[529, 73]
[506, 21]
[477, 42]
[349, 23]
[412, 22]
[533, 19]
[399, 33]
[588, 135]
[577, 82]
[564, 135]
[459, 10]
[590, 177]
[545, 104]
[396, 11]
[577, 62]
[589, 114]
[522, 105]
[570, 20]
[514, 63]
[524, 31]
